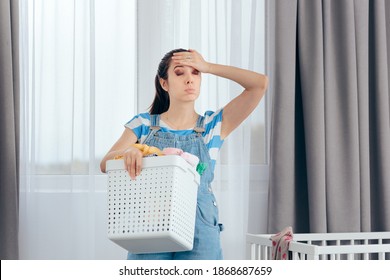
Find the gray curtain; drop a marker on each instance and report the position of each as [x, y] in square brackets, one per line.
[9, 127]
[330, 134]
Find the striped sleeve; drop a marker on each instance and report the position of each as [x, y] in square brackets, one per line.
[212, 134]
[140, 125]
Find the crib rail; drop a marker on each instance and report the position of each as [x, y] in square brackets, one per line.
[326, 246]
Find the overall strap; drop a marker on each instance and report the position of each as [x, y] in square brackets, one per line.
[154, 127]
[155, 122]
[199, 128]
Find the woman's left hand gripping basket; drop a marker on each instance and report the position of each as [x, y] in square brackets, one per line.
[156, 212]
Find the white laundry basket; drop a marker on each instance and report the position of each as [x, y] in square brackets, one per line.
[156, 212]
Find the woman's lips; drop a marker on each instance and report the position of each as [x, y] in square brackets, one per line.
[190, 90]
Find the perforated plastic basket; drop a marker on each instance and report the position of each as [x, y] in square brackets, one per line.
[156, 212]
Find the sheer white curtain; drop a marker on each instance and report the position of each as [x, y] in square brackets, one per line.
[88, 67]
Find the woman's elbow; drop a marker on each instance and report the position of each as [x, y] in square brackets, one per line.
[260, 89]
[263, 83]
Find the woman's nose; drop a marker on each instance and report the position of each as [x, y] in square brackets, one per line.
[189, 80]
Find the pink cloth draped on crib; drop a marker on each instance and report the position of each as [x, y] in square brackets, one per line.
[280, 244]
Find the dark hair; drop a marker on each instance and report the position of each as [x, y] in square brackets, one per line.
[161, 99]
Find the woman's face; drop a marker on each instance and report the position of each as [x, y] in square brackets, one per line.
[183, 83]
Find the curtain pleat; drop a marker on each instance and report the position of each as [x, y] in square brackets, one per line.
[379, 112]
[9, 125]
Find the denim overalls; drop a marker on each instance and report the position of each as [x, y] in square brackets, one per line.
[207, 229]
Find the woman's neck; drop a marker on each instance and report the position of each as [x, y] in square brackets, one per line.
[180, 118]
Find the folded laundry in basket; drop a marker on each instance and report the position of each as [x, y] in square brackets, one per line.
[280, 244]
[148, 150]
[190, 158]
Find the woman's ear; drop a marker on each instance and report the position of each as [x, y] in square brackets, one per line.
[164, 84]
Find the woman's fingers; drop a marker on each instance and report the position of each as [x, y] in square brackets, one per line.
[184, 57]
[183, 54]
[138, 166]
[133, 162]
[192, 58]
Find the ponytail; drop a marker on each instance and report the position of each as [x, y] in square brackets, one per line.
[161, 100]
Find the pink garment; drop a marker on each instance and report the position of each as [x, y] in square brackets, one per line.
[190, 158]
[172, 151]
[280, 244]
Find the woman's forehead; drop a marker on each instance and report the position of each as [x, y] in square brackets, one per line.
[176, 65]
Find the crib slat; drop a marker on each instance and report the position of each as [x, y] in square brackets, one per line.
[253, 251]
[263, 253]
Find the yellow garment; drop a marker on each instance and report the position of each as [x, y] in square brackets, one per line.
[146, 150]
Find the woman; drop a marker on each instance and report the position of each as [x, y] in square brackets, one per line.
[173, 122]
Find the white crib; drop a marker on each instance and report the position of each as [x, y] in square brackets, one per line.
[326, 246]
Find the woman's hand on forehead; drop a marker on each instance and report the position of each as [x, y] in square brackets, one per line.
[191, 58]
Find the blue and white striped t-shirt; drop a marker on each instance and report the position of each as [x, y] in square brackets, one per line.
[140, 125]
